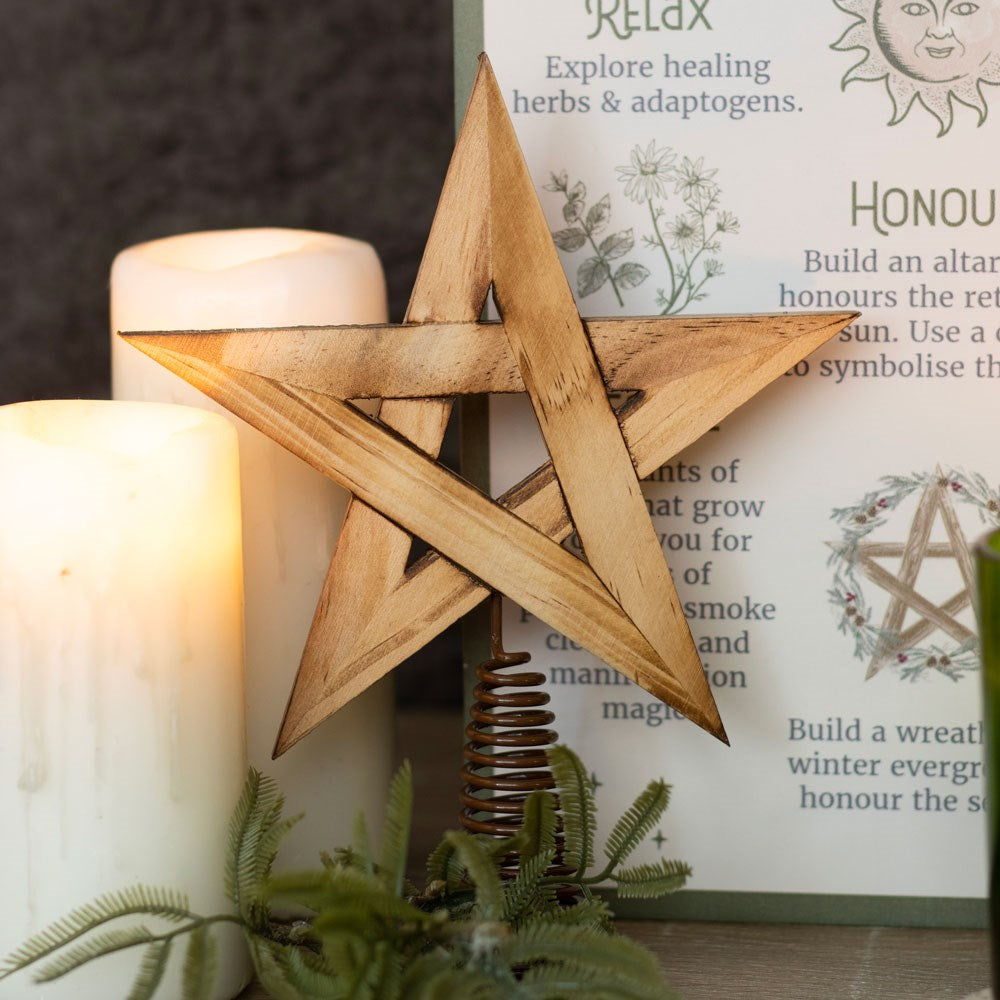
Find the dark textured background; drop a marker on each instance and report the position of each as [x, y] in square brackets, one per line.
[126, 120]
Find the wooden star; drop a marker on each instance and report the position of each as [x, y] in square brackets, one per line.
[686, 375]
[934, 502]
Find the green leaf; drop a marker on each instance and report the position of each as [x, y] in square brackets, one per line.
[639, 820]
[569, 239]
[630, 274]
[151, 969]
[361, 845]
[200, 965]
[328, 891]
[587, 955]
[106, 943]
[592, 912]
[576, 802]
[538, 829]
[591, 275]
[387, 972]
[255, 831]
[556, 982]
[482, 873]
[435, 975]
[617, 244]
[133, 901]
[651, 881]
[289, 973]
[396, 835]
[524, 893]
[599, 215]
[440, 866]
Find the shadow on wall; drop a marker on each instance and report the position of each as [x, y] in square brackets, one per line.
[126, 120]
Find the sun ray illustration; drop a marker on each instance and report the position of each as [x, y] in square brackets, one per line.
[937, 53]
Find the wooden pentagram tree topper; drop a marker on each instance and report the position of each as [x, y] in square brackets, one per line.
[686, 374]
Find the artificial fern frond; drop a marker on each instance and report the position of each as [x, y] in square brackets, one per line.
[538, 830]
[587, 954]
[200, 964]
[396, 829]
[482, 873]
[555, 982]
[254, 833]
[593, 912]
[348, 921]
[445, 865]
[387, 972]
[134, 901]
[289, 973]
[524, 890]
[256, 788]
[271, 839]
[651, 881]
[576, 802]
[327, 891]
[105, 943]
[435, 976]
[312, 976]
[468, 935]
[638, 820]
[440, 867]
[151, 969]
[361, 845]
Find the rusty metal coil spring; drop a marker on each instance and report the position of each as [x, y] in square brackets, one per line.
[505, 756]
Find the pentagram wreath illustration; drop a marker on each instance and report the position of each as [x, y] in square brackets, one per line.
[853, 560]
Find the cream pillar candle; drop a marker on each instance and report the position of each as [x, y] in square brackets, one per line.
[291, 514]
[122, 740]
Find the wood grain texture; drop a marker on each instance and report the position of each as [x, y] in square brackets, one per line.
[489, 227]
[452, 284]
[759, 348]
[449, 359]
[387, 473]
[579, 428]
[445, 595]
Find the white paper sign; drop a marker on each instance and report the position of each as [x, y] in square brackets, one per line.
[706, 156]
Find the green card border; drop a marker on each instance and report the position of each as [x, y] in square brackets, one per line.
[740, 907]
[808, 908]
[469, 41]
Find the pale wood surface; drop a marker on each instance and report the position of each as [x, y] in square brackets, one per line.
[706, 961]
[370, 559]
[579, 426]
[634, 353]
[621, 605]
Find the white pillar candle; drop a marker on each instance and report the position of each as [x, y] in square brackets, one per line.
[291, 513]
[122, 739]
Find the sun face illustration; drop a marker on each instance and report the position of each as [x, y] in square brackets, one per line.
[931, 51]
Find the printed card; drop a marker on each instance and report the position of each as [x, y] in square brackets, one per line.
[705, 156]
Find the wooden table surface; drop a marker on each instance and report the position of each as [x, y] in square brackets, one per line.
[707, 961]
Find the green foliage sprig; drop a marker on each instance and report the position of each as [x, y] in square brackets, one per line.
[470, 932]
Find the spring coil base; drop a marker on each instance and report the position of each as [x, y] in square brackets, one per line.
[505, 756]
